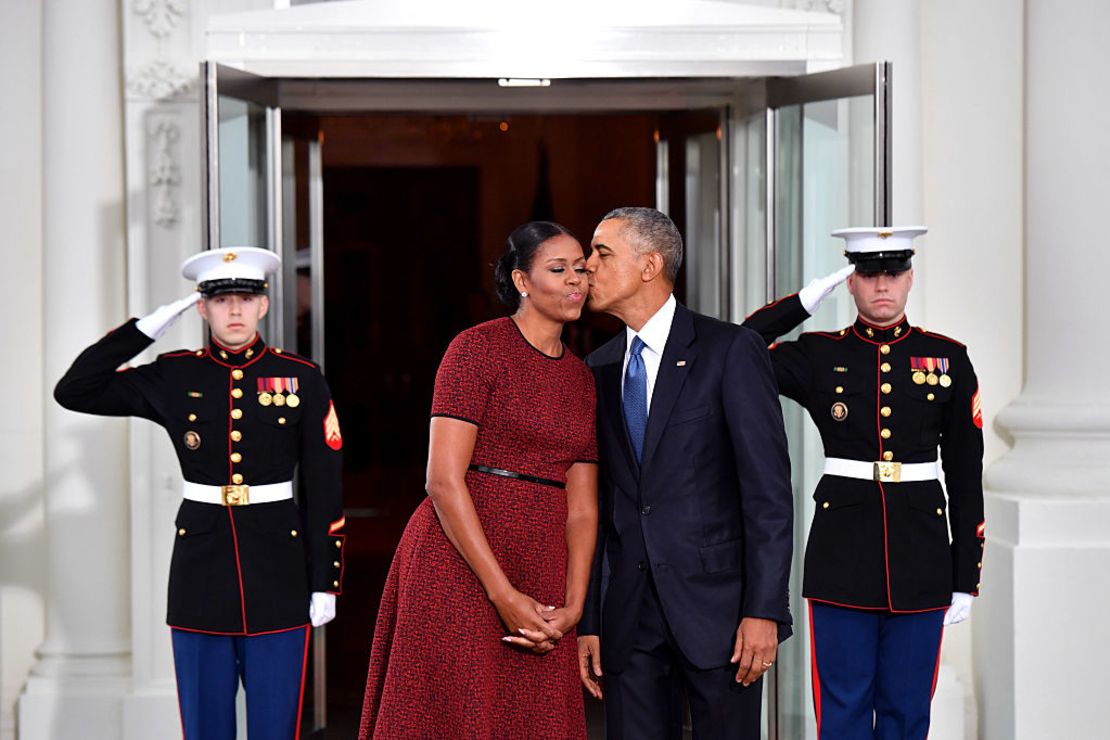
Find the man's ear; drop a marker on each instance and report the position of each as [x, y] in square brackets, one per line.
[202, 308]
[851, 283]
[910, 286]
[653, 267]
[265, 307]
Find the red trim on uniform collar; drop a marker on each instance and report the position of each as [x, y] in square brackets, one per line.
[882, 335]
[237, 358]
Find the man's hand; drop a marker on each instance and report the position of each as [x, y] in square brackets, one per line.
[321, 609]
[158, 322]
[960, 609]
[589, 658]
[819, 289]
[757, 645]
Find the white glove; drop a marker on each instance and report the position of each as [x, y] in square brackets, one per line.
[819, 288]
[960, 609]
[158, 323]
[321, 609]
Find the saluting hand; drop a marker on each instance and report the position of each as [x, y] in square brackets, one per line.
[158, 322]
[819, 289]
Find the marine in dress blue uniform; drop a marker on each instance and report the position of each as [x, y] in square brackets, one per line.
[252, 567]
[889, 554]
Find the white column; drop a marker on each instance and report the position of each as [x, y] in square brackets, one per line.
[76, 687]
[1039, 645]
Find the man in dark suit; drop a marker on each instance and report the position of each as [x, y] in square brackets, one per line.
[695, 497]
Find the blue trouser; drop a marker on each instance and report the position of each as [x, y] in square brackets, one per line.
[874, 672]
[209, 668]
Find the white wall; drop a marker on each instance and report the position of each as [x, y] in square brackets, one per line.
[971, 269]
[22, 390]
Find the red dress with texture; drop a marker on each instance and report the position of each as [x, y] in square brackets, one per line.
[438, 667]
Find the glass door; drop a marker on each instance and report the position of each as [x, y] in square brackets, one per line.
[264, 189]
[242, 174]
[827, 144]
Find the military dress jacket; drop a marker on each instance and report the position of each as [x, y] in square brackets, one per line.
[886, 395]
[246, 569]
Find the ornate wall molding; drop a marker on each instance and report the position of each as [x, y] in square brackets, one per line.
[165, 173]
[817, 6]
[160, 78]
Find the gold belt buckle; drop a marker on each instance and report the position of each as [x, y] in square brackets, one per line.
[888, 472]
[236, 495]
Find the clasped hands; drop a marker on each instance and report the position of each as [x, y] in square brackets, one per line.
[531, 625]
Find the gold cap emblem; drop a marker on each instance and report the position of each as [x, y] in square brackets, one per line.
[230, 257]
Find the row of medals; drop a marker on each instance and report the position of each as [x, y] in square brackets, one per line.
[292, 400]
[920, 378]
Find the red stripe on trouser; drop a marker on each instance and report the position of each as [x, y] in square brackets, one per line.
[816, 679]
[304, 670]
[936, 670]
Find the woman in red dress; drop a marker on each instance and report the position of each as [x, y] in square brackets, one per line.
[475, 637]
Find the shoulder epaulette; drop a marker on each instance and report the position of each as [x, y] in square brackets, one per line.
[835, 335]
[928, 333]
[287, 355]
[182, 353]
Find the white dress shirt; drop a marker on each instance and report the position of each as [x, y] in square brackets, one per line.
[654, 336]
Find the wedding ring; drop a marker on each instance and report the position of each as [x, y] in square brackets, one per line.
[768, 665]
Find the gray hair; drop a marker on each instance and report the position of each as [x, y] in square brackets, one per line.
[652, 231]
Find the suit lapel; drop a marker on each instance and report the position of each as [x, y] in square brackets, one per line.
[609, 368]
[678, 358]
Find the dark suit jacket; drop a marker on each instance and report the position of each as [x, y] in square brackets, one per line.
[710, 513]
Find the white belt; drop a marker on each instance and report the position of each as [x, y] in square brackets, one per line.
[240, 495]
[884, 472]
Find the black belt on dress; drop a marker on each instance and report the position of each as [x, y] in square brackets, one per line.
[518, 476]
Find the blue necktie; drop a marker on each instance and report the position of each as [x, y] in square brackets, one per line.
[635, 398]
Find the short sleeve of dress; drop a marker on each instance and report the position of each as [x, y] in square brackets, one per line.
[464, 381]
[588, 453]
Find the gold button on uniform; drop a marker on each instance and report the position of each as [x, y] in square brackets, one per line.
[885, 434]
[223, 354]
[277, 350]
[885, 367]
[181, 532]
[940, 511]
[338, 543]
[825, 505]
[237, 479]
[236, 457]
[192, 417]
[236, 435]
[888, 455]
[336, 564]
[237, 374]
[840, 389]
[335, 584]
[885, 411]
[885, 387]
[200, 353]
[884, 349]
[293, 532]
[237, 413]
[281, 420]
[980, 566]
[236, 392]
[931, 397]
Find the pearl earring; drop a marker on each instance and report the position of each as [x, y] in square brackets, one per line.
[523, 294]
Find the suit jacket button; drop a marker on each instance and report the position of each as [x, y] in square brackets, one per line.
[646, 510]
[641, 565]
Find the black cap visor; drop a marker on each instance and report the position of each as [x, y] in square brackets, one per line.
[210, 288]
[870, 263]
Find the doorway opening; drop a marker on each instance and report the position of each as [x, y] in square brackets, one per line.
[416, 209]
